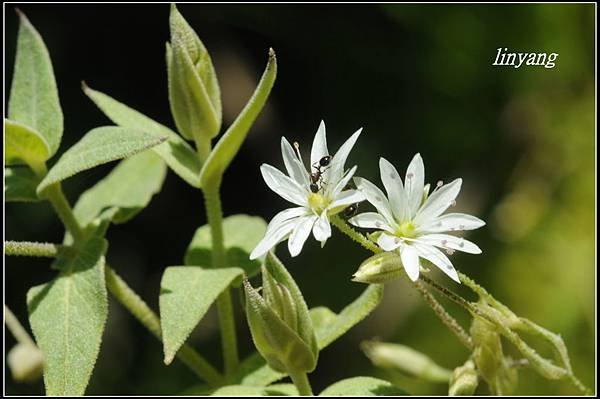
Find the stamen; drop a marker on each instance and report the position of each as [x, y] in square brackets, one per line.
[444, 242]
[396, 240]
[297, 148]
[439, 184]
[449, 251]
[377, 224]
[453, 203]
[461, 243]
[409, 175]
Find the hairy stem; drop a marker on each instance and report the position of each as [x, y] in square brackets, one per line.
[300, 379]
[448, 320]
[34, 249]
[65, 212]
[214, 215]
[354, 235]
[136, 305]
[15, 327]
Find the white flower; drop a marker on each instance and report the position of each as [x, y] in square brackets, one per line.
[311, 214]
[411, 219]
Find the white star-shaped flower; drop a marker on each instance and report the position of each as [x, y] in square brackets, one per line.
[318, 194]
[412, 220]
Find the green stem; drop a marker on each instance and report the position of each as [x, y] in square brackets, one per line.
[214, 215]
[35, 249]
[300, 379]
[353, 234]
[448, 320]
[65, 212]
[15, 327]
[136, 305]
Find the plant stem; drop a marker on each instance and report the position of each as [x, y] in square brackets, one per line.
[214, 215]
[448, 320]
[136, 305]
[300, 379]
[15, 327]
[353, 234]
[65, 212]
[35, 249]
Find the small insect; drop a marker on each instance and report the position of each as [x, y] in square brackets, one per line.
[316, 177]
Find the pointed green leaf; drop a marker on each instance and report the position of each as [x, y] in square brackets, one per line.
[98, 146]
[362, 386]
[176, 152]
[241, 234]
[126, 190]
[194, 93]
[328, 327]
[33, 98]
[67, 316]
[23, 145]
[186, 293]
[244, 390]
[228, 145]
[20, 184]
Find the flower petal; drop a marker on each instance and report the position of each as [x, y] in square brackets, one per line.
[273, 236]
[300, 233]
[319, 147]
[451, 222]
[437, 257]
[370, 220]
[450, 242]
[395, 190]
[336, 170]
[283, 185]
[388, 242]
[322, 228]
[410, 261]
[284, 215]
[346, 198]
[375, 196]
[414, 183]
[438, 202]
[343, 182]
[293, 165]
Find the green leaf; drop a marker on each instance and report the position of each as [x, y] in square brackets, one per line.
[98, 146]
[23, 145]
[244, 390]
[228, 146]
[362, 386]
[186, 293]
[194, 93]
[176, 152]
[241, 234]
[33, 98]
[20, 184]
[328, 327]
[67, 316]
[125, 191]
[348, 317]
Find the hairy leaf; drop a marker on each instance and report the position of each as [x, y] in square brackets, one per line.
[362, 386]
[228, 145]
[176, 152]
[186, 293]
[23, 145]
[98, 146]
[20, 184]
[33, 98]
[126, 190]
[241, 234]
[67, 316]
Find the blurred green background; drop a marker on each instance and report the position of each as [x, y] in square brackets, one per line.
[417, 78]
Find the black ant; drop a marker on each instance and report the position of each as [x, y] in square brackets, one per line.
[317, 176]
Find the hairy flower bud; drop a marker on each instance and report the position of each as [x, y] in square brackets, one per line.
[279, 321]
[464, 380]
[381, 268]
[26, 362]
[405, 359]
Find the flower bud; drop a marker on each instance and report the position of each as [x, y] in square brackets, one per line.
[26, 362]
[279, 321]
[405, 359]
[464, 380]
[194, 93]
[379, 269]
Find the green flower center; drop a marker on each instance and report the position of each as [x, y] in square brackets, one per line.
[407, 230]
[317, 202]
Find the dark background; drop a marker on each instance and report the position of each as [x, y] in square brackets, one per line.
[417, 78]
